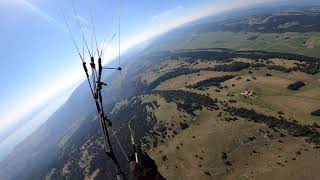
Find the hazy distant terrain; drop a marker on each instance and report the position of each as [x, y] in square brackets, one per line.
[293, 31]
[29, 125]
[235, 98]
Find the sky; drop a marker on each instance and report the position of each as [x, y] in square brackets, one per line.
[38, 59]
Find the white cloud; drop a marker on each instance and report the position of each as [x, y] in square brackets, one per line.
[82, 20]
[251, 1]
[174, 21]
[38, 11]
[166, 14]
[169, 19]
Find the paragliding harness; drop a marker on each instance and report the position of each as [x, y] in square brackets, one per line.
[144, 164]
[142, 167]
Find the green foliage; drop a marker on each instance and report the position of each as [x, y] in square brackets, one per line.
[296, 86]
[215, 81]
[292, 128]
[188, 101]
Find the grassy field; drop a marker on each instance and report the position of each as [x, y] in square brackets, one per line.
[199, 150]
[298, 43]
[196, 152]
[160, 69]
[271, 92]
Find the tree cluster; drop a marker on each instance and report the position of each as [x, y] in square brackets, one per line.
[292, 127]
[188, 101]
[214, 81]
[296, 86]
[170, 75]
[316, 113]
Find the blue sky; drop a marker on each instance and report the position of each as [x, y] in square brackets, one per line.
[38, 59]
